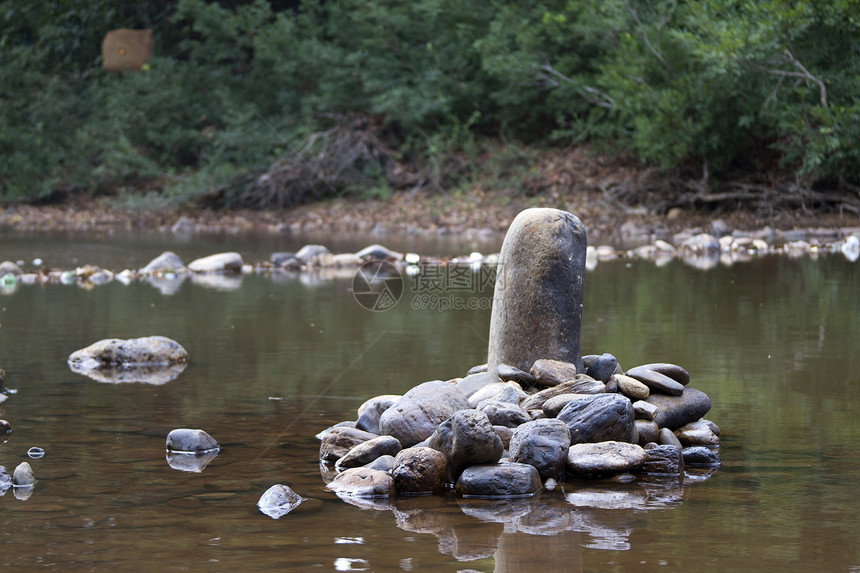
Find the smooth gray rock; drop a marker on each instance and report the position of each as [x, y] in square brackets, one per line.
[146, 351]
[416, 415]
[697, 433]
[599, 418]
[338, 441]
[604, 458]
[673, 371]
[537, 305]
[278, 501]
[509, 373]
[675, 411]
[701, 456]
[663, 459]
[186, 440]
[370, 412]
[553, 372]
[602, 367]
[168, 261]
[503, 413]
[379, 253]
[647, 431]
[582, 385]
[218, 263]
[507, 479]
[365, 452]
[419, 470]
[543, 444]
[509, 392]
[362, 482]
[467, 438]
[23, 475]
[667, 437]
[656, 381]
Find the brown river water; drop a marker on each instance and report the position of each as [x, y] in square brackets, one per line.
[276, 359]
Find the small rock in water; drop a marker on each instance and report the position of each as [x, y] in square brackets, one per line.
[5, 427]
[149, 350]
[278, 501]
[185, 440]
[675, 411]
[218, 263]
[701, 456]
[168, 261]
[23, 475]
[667, 437]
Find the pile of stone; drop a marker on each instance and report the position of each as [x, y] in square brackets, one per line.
[538, 410]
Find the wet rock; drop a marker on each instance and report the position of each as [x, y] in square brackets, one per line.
[701, 456]
[631, 387]
[366, 452]
[419, 470]
[537, 306]
[543, 444]
[581, 385]
[338, 441]
[647, 431]
[474, 382]
[675, 411]
[189, 461]
[643, 410]
[168, 261]
[186, 440]
[604, 458]
[416, 415]
[656, 381]
[218, 263]
[10, 268]
[663, 459]
[370, 412]
[149, 350]
[602, 367]
[503, 413]
[23, 476]
[509, 392]
[362, 482]
[379, 253]
[599, 418]
[552, 372]
[667, 437]
[466, 438]
[673, 371]
[278, 501]
[310, 254]
[507, 479]
[510, 374]
[5, 427]
[698, 433]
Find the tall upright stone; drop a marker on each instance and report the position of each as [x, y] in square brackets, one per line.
[537, 305]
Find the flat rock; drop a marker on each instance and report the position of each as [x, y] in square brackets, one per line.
[218, 263]
[604, 458]
[581, 385]
[599, 418]
[509, 373]
[146, 351]
[508, 479]
[419, 470]
[362, 482]
[673, 371]
[278, 501]
[543, 444]
[366, 452]
[675, 411]
[656, 381]
[537, 304]
[418, 413]
[552, 372]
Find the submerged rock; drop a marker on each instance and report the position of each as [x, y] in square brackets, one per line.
[537, 305]
[278, 501]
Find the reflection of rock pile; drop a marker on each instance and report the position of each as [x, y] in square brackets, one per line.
[538, 411]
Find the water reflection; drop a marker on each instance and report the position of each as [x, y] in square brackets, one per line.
[194, 463]
[156, 374]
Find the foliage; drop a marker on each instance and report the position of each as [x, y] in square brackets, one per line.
[718, 86]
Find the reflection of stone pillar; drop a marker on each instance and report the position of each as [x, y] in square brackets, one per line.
[537, 306]
[519, 553]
